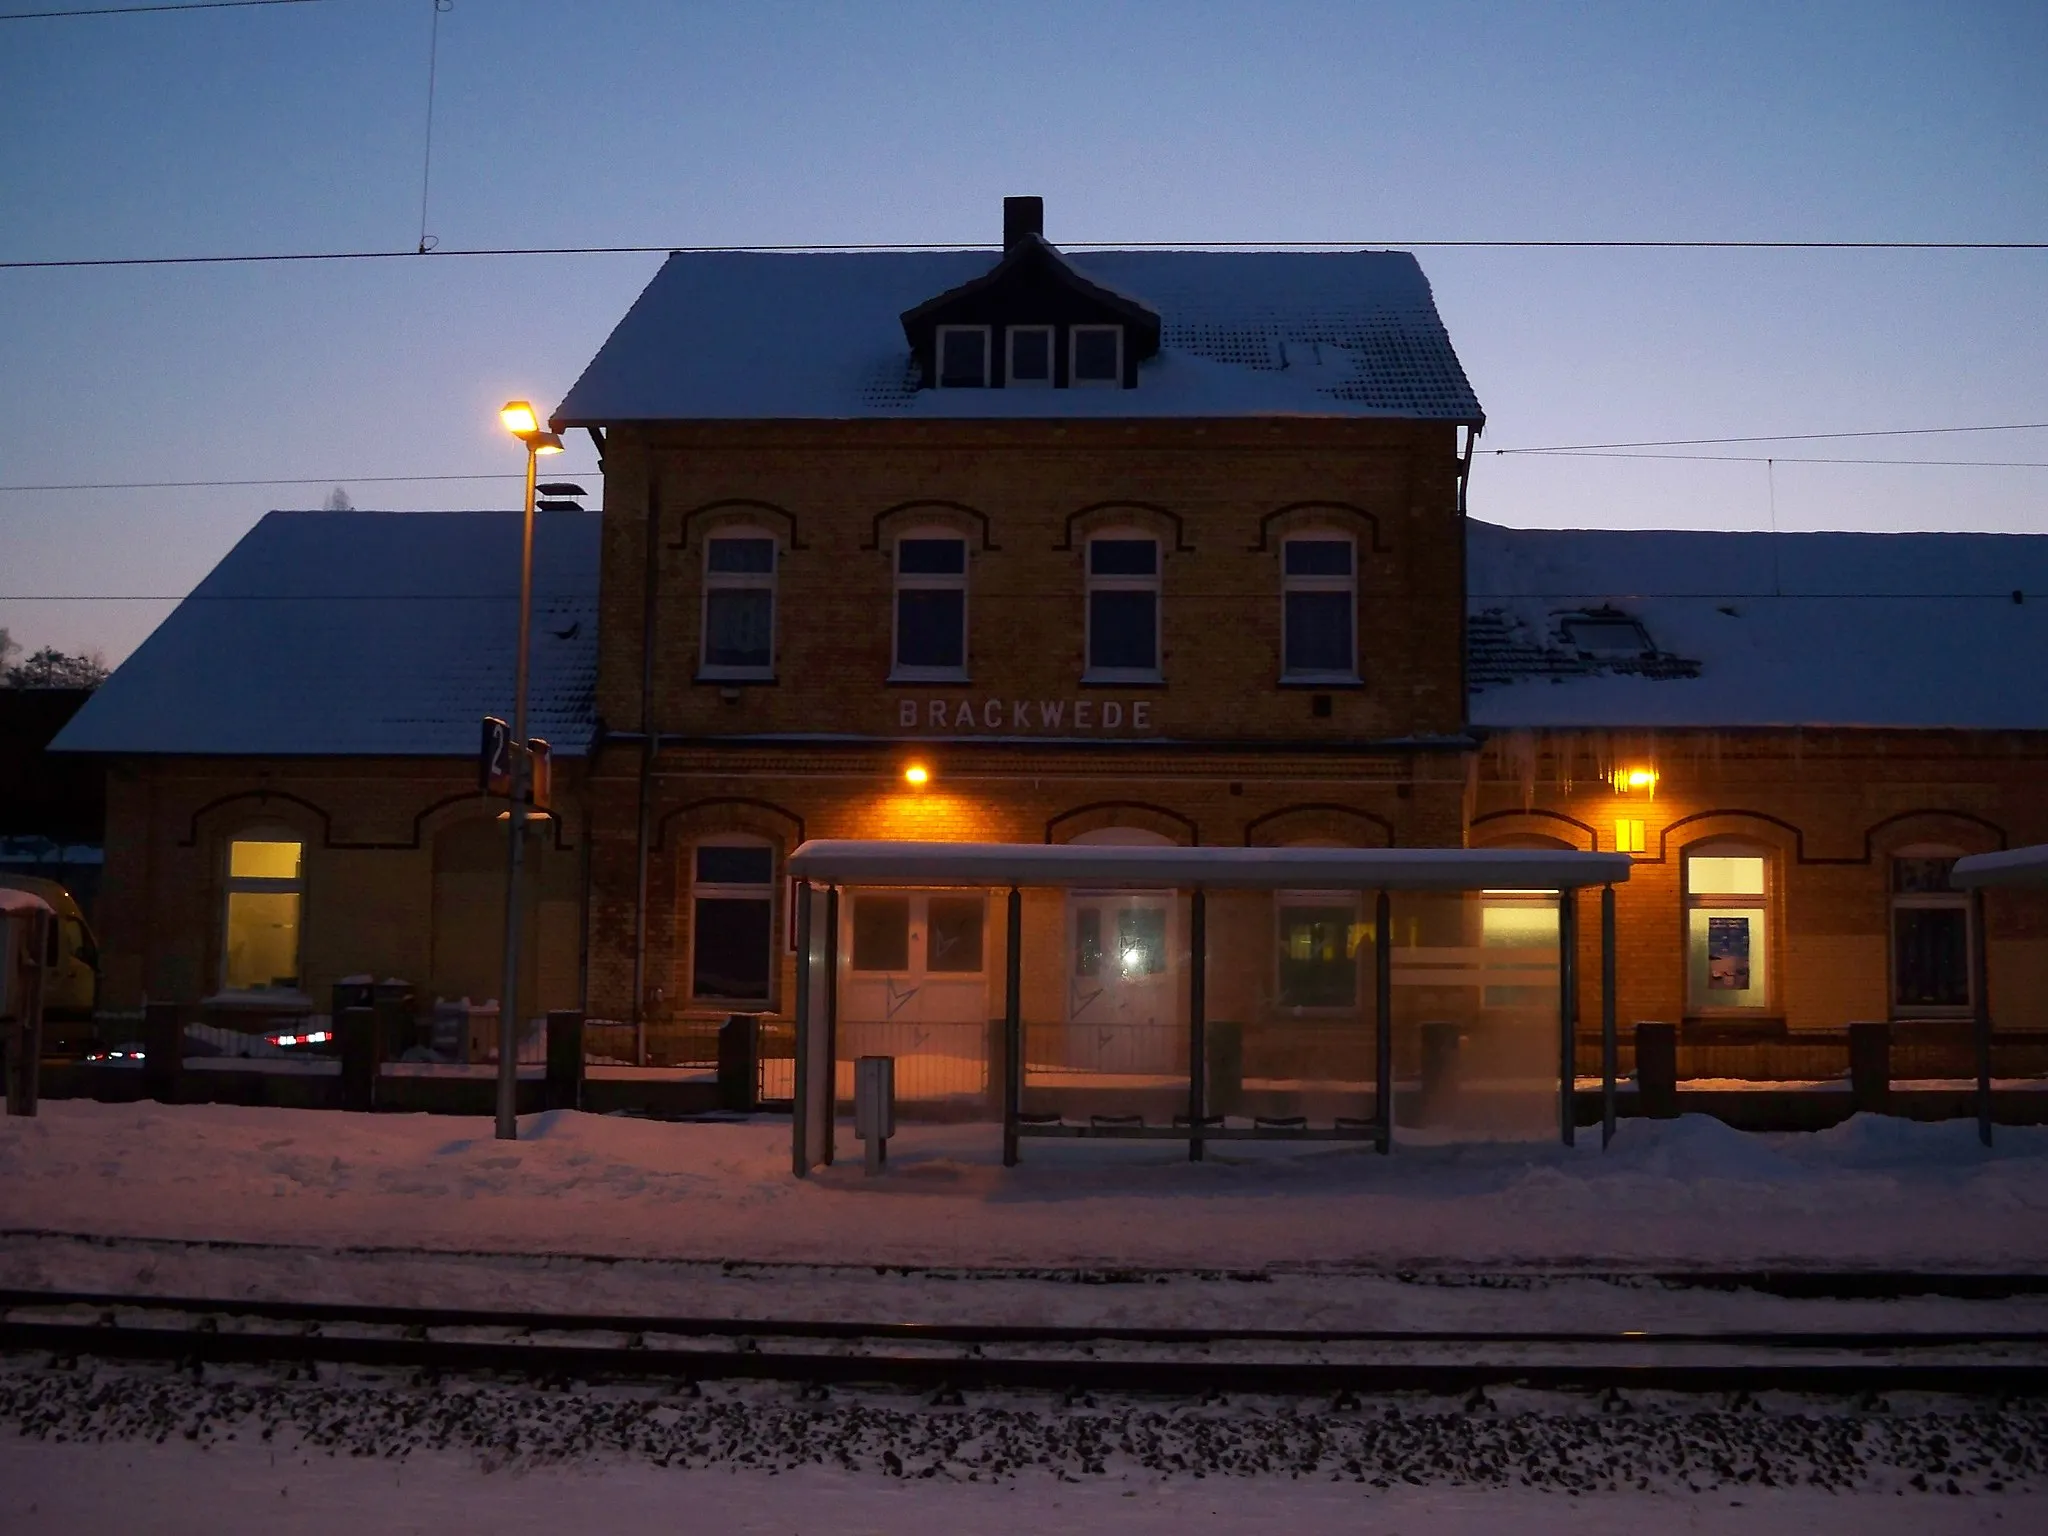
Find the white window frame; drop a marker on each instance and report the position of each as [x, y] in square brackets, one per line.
[1010, 378]
[1074, 380]
[1895, 902]
[922, 582]
[1092, 584]
[939, 335]
[731, 581]
[715, 890]
[233, 885]
[1348, 585]
[1765, 903]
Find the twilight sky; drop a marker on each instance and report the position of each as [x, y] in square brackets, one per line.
[299, 128]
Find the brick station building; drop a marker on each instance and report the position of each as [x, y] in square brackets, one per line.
[1129, 546]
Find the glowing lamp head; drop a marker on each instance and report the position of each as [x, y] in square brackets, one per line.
[1635, 780]
[519, 418]
[917, 775]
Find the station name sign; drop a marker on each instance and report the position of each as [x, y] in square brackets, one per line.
[1026, 717]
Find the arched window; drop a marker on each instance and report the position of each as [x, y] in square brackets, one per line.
[1123, 607]
[739, 604]
[930, 620]
[1930, 935]
[1319, 602]
[1728, 959]
[732, 920]
[1319, 937]
[261, 918]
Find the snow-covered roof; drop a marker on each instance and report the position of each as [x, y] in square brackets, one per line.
[1640, 628]
[362, 634]
[848, 862]
[736, 335]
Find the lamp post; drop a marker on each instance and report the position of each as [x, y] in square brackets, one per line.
[522, 423]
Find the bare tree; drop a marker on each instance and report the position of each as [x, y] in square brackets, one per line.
[337, 501]
[52, 668]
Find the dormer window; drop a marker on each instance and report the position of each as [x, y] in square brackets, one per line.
[1030, 355]
[1096, 356]
[963, 356]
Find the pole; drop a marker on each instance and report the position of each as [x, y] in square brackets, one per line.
[1383, 1019]
[1013, 1023]
[1567, 1013]
[1980, 1010]
[1607, 1043]
[1198, 1022]
[515, 841]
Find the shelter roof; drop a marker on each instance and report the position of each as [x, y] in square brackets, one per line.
[2014, 866]
[361, 634]
[839, 862]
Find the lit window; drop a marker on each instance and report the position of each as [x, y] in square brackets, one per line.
[732, 900]
[963, 356]
[1123, 608]
[931, 607]
[1628, 835]
[739, 605]
[1030, 355]
[1727, 930]
[260, 948]
[1319, 596]
[1095, 356]
[1518, 933]
[1930, 936]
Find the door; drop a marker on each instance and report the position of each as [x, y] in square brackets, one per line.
[1122, 984]
[915, 987]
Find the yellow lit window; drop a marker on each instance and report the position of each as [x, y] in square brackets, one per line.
[1628, 835]
[260, 941]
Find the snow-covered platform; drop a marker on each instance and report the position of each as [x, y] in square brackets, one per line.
[1691, 1193]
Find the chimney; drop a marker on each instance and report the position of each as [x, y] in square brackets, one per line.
[1023, 217]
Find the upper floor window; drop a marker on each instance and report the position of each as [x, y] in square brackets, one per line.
[963, 356]
[931, 607]
[1727, 927]
[739, 605]
[1930, 935]
[1319, 595]
[260, 937]
[1095, 355]
[1123, 608]
[732, 919]
[1030, 355]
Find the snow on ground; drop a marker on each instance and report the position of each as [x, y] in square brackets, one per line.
[242, 1490]
[1689, 1193]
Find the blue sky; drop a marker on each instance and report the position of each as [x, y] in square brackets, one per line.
[299, 127]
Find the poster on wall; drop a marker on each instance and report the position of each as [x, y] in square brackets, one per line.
[1728, 954]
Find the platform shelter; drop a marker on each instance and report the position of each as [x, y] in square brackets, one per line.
[1197, 994]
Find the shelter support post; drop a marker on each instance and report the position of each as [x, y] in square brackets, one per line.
[828, 978]
[1980, 997]
[1607, 1044]
[800, 1105]
[1383, 1019]
[1198, 1021]
[1567, 1013]
[1013, 1023]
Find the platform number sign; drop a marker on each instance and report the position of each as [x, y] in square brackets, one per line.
[494, 758]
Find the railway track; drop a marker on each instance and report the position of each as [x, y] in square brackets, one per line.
[952, 1358]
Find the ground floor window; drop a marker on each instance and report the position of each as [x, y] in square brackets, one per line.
[1518, 931]
[1727, 928]
[265, 889]
[732, 921]
[1930, 935]
[917, 934]
[1319, 938]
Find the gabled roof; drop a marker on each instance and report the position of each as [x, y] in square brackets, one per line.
[752, 336]
[1034, 257]
[1911, 630]
[362, 634]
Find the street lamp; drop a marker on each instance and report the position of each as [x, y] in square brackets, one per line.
[522, 423]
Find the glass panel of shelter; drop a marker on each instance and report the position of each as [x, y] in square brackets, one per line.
[914, 985]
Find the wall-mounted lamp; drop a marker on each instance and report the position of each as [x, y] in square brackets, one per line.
[917, 775]
[1633, 781]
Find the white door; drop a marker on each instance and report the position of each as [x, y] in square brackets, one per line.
[1122, 984]
[915, 987]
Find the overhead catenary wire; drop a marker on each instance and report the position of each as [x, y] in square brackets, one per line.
[139, 10]
[393, 254]
[1774, 437]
